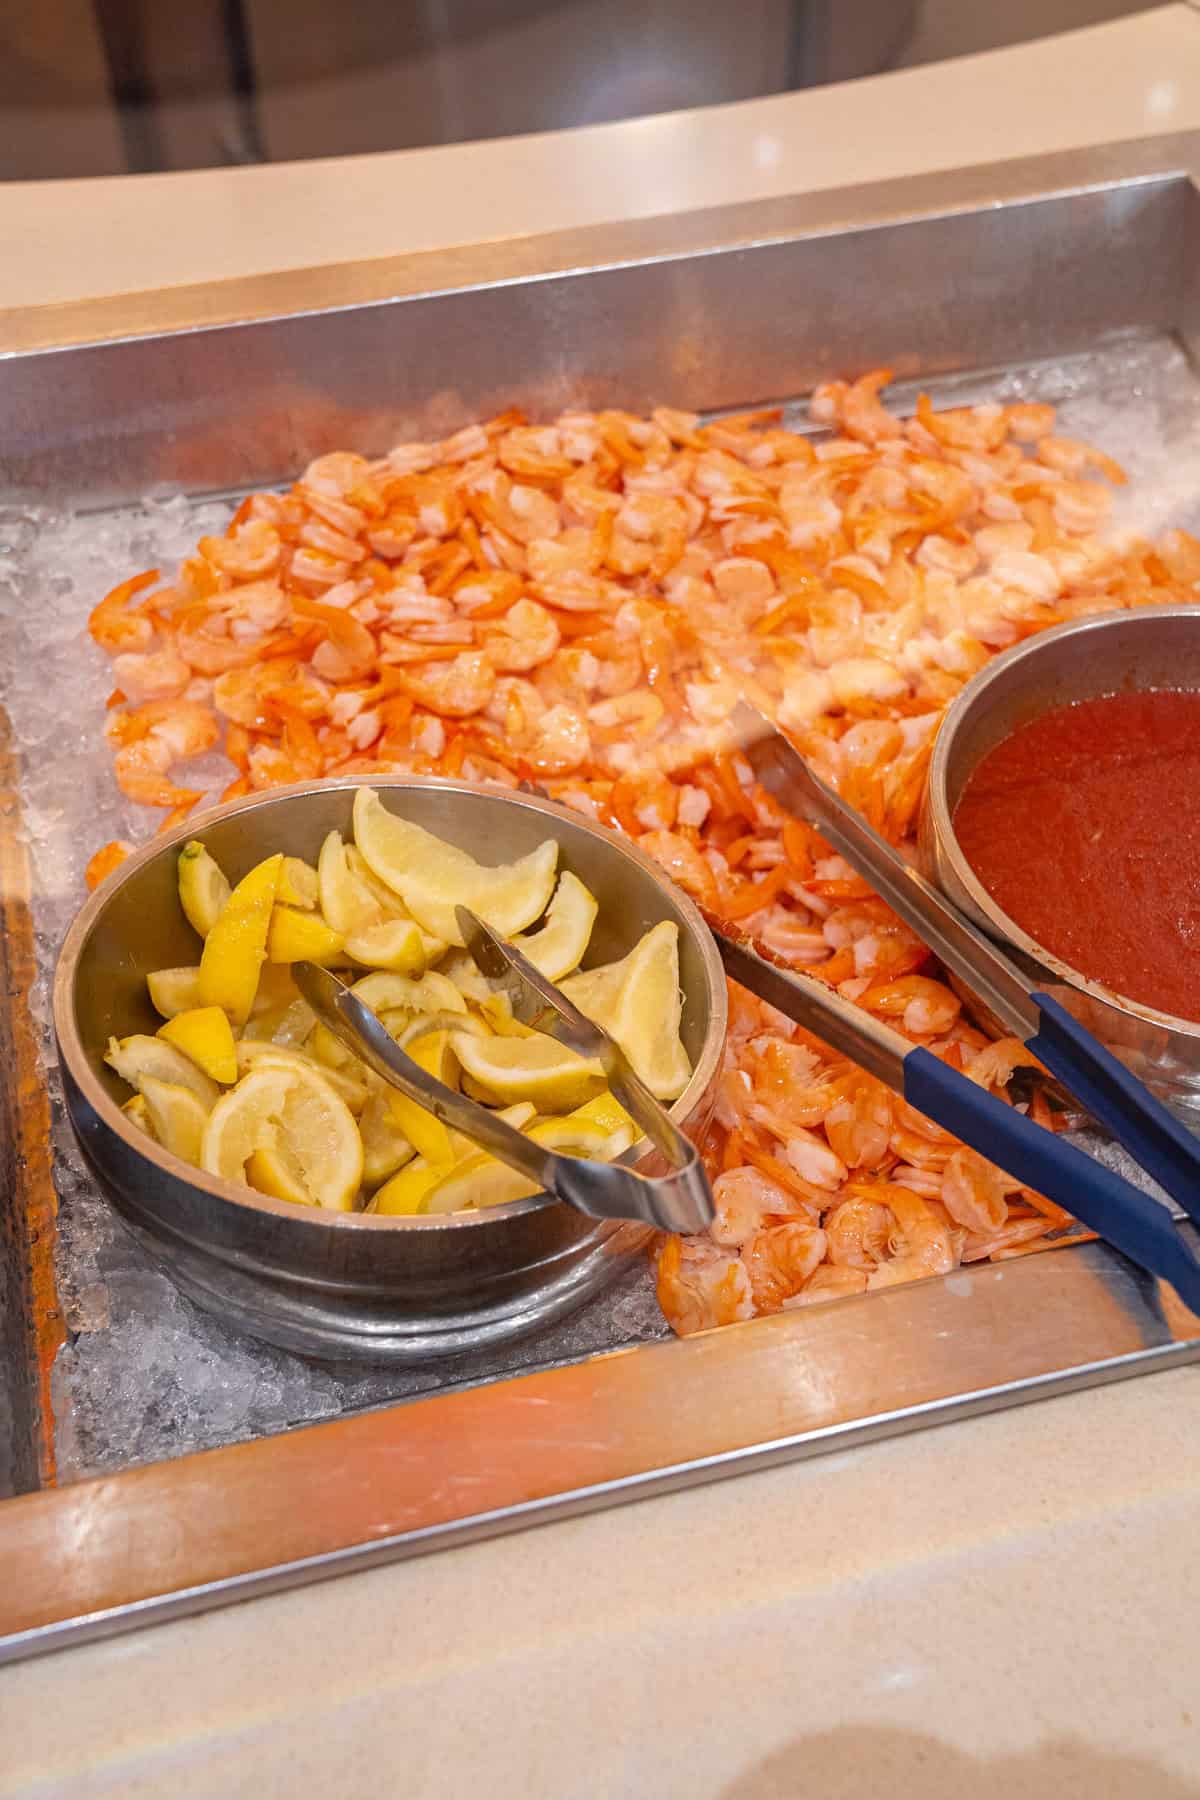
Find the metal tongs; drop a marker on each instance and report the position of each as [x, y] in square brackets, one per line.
[1116, 1099]
[680, 1200]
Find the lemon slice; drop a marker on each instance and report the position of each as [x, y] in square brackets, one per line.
[482, 1180]
[559, 946]
[347, 905]
[397, 944]
[203, 889]
[349, 1082]
[385, 1147]
[173, 990]
[405, 1193]
[205, 1034]
[295, 936]
[298, 884]
[638, 1002]
[237, 943]
[294, 1112]
[548, 1074]
[138, 1057]
[176, 1118]
[433, 878]
[386, 992]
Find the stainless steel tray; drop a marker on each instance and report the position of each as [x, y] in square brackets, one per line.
[223, 387]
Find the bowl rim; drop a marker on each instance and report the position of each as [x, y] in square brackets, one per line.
[78, 1066]
[943, 823]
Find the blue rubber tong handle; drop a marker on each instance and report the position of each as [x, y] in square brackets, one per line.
[1116, 1099]
[1099, 1198]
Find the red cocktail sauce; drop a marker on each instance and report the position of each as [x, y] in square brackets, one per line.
[1085, 826]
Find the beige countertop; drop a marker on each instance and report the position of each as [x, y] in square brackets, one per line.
[1005, 1605]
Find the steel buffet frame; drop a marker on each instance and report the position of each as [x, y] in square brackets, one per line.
[101, 400]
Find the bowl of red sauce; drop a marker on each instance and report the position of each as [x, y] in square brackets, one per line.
[1063, 816]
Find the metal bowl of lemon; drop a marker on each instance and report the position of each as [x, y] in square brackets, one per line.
[276, 1188]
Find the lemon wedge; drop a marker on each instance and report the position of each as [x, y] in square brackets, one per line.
[273, 1169]
[237, 943]
[638, 1002]
[397, 944]
[205, 1034]
[432, 878]
[173, 990]
[518, 1117]
[497, 1013]
[461, 968]
[607, 1112]
[559, 945]
[203, 889]
[349, 1083]
[427, 1135]
[547, 1074]
[405, 1193]
[176, 1118]
[386, 992]
[482, 1180]
[140, 1057]
[385, 1147]
[347, 905]
[298, 884]
[137, 1113]
[293, 1112]
[296, 936]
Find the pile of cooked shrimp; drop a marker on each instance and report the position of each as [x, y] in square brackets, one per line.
[579, 605]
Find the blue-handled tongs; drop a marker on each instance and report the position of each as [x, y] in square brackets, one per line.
[1099, 1198]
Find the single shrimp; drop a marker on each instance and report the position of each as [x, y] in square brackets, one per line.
[925, 1008]
[114, 626]
[779, 1259]
[701, 1285]
[454, 689]
[921, 1243]
[859, 1125]
[814, 1161]
[253, 550]
[744, 1197]
[151, 674]
[973, 1192]
[857, 1233]
[995, 1065]
[525, 636]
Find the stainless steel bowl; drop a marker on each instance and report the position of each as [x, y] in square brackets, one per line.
[1157, 647]
[342, 1285]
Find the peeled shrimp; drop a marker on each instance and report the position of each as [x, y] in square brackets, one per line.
[701, 1285]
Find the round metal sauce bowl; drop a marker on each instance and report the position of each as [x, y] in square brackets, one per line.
[350, 1285]
[1155, 647]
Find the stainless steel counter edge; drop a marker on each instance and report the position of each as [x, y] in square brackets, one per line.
[112, 1554]
[429, 273]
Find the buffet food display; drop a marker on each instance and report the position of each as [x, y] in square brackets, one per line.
[578, 606]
